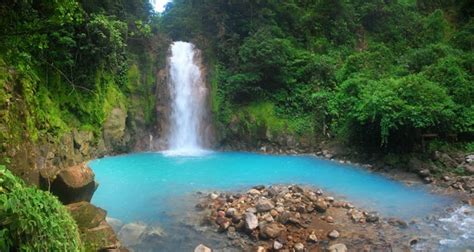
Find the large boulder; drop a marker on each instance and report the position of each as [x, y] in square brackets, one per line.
[96, 233]
[74, 184]
[86, 215]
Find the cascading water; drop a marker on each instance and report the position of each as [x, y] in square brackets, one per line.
[188, 100]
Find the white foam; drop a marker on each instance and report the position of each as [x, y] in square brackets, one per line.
[460, 224]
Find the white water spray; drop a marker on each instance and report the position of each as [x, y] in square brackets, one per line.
[188, 100]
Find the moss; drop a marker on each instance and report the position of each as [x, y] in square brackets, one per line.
[33, 220]
[264, 114]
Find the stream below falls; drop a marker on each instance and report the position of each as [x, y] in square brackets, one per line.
[154, 188]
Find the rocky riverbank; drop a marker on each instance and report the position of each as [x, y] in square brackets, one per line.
[447, 172]
[294, 218]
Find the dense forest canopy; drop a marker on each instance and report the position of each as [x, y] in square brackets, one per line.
[379, 73]
[376, 73]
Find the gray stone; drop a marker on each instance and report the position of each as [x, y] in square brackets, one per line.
[264, 205]
[334, 234]
[202, 248]
[251, 221]
[277, 245]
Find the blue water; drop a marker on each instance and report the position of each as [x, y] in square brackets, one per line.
[152, 186]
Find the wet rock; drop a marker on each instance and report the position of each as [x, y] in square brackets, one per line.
[130, 233]
[271, 231]
[264, 205]
[320, 206]
[259, 187]
[202, 248]
[333, 234]
[152, 235]
[372, 217]
[253, 192]
[299, 247]
[230, 212]
[74, 184]
[338, 247]
[397, 223]
[297, 189]
[277, 245]
[251, 221]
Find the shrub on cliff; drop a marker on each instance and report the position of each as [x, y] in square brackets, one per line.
[33, 220]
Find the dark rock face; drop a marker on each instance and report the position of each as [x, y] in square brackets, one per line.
[74, 184]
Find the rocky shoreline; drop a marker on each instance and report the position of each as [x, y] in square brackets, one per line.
[295, 218]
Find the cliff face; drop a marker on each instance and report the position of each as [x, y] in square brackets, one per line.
[41, 134]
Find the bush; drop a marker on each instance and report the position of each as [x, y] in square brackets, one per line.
[33, 220]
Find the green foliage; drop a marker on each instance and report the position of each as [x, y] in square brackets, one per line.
[33, 220]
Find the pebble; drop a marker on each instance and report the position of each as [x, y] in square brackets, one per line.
[299, 247]
[251, 221]
[253, 192]
[334, 234]
[312, 238]
[277, 245]
[213, 196]
[202, 248]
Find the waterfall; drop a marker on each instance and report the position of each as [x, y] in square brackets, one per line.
[188, 100]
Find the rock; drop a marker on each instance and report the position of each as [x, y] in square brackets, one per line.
[280, 209]
[470, 158]
[333, 234]
[469, 168]
[253, 192]
[223, 223]
[273, 213]
[320, 206]
[448, 161]
[428, 180]
[74, 184]
[251, 221]
[230, 212]
[338, 247]
[277, 245]
[313, 238]
[446, 178]
[152, 235]
[329, 219]
[424, 173]
[82, 140]
[213, 196]
[264, 205]
[299, 247]
[260, 249]
[330, 199]
[259, 187]
[372, 217]
[202, 248]
[297, 189]
[100, 238]
[114, 128]
[357, 216]
[130, 233]
[271, 231]
[86, 215]
[116, 224]
[251, 210]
